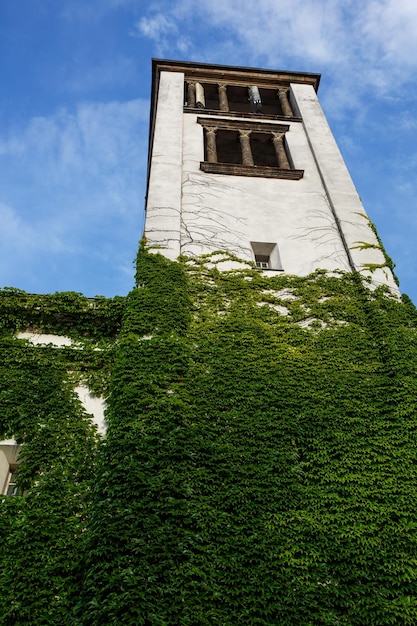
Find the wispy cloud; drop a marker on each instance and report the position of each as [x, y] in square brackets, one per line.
[360, 45]
[93, 137]
[389, 28]
[85, 168]
[163, 31]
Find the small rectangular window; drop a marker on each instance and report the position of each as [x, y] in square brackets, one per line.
[12, 488]
[9, 461]
[262, 261]
[266, 255]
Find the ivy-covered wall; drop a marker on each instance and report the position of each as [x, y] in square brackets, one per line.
[260, 461]
[41, 532]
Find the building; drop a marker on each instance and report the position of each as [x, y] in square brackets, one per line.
[243, 160]
[260, 460]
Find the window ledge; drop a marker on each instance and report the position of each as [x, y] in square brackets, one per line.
[236, 169]
[240, 114]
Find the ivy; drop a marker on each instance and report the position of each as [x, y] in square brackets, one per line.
[41, 532]
[266, 444]
[362, 245]
[260, 460]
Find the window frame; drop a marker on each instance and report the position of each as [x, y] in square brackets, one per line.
[239, 169]
[266, 250]
[9, 461]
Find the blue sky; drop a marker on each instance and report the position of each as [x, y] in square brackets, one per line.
[74, 116]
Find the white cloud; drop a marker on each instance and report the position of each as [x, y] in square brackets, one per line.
[93, 137]
[360, 45]
[84, 172]
[306, 28]
[155, 27]
[163, 32]
[390, 29]
[14, 230]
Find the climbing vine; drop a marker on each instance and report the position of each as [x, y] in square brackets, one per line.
[264, 428]
[363, 245]
[41, 529]
[259, 465]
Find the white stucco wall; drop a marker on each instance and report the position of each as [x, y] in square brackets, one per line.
[93, 405]
[43, 339]
[339, 188]
[4, 471]
[228, 212]
[9, 453]
[163, 207]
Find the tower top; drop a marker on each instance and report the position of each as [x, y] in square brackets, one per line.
[237, 77]
[242, 160]
[233, 74]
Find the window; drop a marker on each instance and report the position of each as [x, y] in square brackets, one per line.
[262, 261]
[11, 486]
[246, 100]
[228, 146]
[9, 452]
[266, 255]
[263, 151]
[245, 148]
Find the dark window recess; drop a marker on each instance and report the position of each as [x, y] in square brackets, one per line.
[212, 96]
[240, 99]
[263, 151]
[270, 102]
[12, 488]
[247, 148]
[228, 146]
[262, 261]
[266, 255]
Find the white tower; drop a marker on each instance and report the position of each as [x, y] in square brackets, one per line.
[243, 160]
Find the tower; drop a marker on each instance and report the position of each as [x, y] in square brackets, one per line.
[243, 160]
[259, 463]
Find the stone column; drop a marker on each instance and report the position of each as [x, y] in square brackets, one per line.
[247, 157]
[283, 99]
[278, 141]
[211, 147]
[191, 94]
[223, 102]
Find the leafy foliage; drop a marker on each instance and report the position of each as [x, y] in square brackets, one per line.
[41, 533]
[259, 465]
